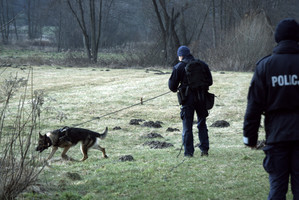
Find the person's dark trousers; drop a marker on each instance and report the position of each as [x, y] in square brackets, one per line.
[203, 134]
[187, 115]
[282, 161]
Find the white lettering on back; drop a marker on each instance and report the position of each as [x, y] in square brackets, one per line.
[284, 80]
[274, 80]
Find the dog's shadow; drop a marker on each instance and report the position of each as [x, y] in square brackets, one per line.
[60, 160]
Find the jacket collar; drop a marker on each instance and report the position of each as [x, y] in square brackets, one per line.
[188, 58]
[286, 47]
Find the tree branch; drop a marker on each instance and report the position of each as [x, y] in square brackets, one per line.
[3, 27]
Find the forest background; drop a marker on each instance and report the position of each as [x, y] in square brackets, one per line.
[227, 34]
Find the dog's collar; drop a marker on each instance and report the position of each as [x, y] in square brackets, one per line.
[48, 142]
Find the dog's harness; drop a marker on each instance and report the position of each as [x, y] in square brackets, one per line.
[62, 135]
[63, 132]
[64, 129]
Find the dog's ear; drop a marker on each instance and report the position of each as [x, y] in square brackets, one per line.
[40, 135]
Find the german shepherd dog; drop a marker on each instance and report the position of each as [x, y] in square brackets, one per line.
[68, 137]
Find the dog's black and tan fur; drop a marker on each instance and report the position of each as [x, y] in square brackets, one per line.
[68, 137]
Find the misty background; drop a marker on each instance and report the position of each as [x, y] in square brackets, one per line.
[227, 34]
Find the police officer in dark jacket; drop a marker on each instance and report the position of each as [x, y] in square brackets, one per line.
[274, 92]
[176, 82]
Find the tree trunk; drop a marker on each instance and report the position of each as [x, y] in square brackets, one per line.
[93, 31]
[4, 21]
[214, 25]
[162, 29]
[169, 34]
[33, 19]
[81, 21]
[91, 36]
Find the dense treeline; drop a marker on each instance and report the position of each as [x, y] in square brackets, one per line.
[229, 34]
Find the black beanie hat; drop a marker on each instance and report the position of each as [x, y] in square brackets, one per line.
[287, 29]
[183, 51]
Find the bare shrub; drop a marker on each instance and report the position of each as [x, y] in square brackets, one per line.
[19, 166]
[76, 59]
[241, 49]
[141, 54]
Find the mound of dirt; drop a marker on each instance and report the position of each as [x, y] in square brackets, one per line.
[73, 176]
[169, 129]
[152, 135]
[220, 124]
[126, 158]
[152, 124]
[136, 121]
[158, 144]
[116, 128]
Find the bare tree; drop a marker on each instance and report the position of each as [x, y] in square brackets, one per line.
[4, 20]
[33, 12]
[7, 17]
[167, 19]
[91, 33]
[67, 33]
[174, 28]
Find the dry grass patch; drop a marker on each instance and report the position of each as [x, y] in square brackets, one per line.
[230, 172]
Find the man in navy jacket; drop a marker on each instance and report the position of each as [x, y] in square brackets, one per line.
[178, 81]
[274, 92]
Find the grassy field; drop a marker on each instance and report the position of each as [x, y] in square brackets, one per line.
[76, 95]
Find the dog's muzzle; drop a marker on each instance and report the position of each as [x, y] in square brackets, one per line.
[41, 149]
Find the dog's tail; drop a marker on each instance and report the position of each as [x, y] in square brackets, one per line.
[103, 135]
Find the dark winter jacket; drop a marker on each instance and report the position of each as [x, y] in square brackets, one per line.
[274, 92]
[178, 76]
[178, 80]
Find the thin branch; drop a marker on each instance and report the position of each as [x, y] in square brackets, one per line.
[4, 26]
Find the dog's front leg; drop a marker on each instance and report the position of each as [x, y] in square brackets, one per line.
[63, 154]
[54, 149]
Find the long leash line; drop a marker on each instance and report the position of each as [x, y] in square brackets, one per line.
[173, 168]
[180, 150]
[125, 108]
[107, 114]
[136, 104]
